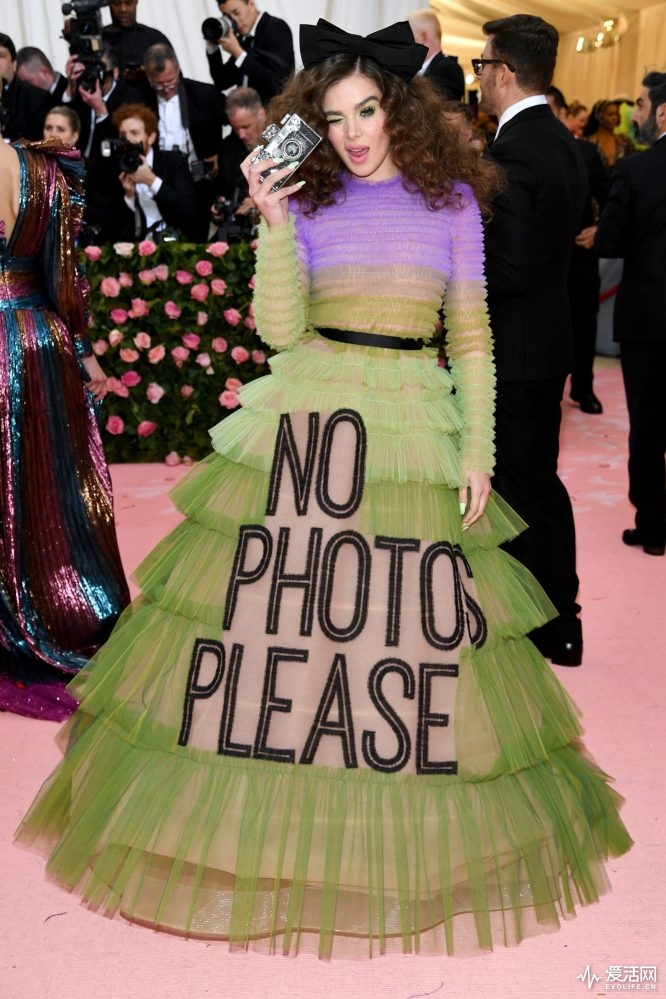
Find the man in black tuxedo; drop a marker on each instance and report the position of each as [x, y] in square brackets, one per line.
[25, 105]
[190, 118]
[234, 209]
[633, 226]
[96, 106]
[261, 51]
[141, 202]
[129, 38]
[528, 245]
[443, 70]
[34, 66]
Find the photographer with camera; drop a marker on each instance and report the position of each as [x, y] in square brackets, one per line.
[153, 189]
[24, 106]
[95, 97]
[233, 209]
[259, 46]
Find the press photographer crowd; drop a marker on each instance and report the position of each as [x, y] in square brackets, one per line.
[162, 151]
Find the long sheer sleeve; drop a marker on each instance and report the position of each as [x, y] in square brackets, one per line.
[469, 340]
[281, 286]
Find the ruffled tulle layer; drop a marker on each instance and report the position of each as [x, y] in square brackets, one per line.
[181, 811]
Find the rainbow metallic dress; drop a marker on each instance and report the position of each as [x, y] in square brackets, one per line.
[62, 585]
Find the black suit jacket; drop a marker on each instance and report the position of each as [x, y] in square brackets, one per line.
[202, 110]
[528, 245]
[176, 199]
[269, 60]
[633, 226]
[28, 107]
[447, 76]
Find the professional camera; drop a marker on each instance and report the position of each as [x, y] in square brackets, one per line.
[214, 28]
[83, 34]
[233, 228]
[294, 140]
[128, 154]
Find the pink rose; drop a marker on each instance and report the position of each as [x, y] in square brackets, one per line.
[128, 355]
[250, 283]
[218, 286]
[186, 391]
[146, 247]
[184, 277]
[125, 280]
[187, 460]
[93, 252]
[249, 323]
[203, 360]
[119, 316]
[202, 318]
[233, 384]
[250, 309]
[139, 308]
[229, 400]
[180, 355]
[100, 347]
[115, 425]
[130, 378]
[146, 428]
[172, 310]
[142, 341]
[200, 292]
[156, 354]
[172, 459]
[232, 316]
[147, 277]
[191, 340]
[204, 268]
[239, 354]
[110, 287]
[219, 344]
[115, 336]
[258, 357]
[117, 387]
[124, 249]
[154, 392]
[217, 249]
[161, 272]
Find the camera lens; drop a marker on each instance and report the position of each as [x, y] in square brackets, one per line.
[214, 28]
[292, 149]
[130, 162]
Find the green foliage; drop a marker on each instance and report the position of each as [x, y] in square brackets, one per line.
[173, 329]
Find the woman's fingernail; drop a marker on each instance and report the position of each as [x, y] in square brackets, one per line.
[463, 508]
[465, 527]
[300, 183]
[294, 164]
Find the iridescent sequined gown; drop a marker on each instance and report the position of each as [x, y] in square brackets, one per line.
[62, 585]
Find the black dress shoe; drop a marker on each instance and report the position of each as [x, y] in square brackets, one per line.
[633, 537]
[561, 641]
[588, 402]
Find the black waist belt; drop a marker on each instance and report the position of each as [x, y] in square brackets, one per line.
[371, 339]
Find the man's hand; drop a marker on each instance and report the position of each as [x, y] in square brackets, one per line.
[94, 100]
[231, 45]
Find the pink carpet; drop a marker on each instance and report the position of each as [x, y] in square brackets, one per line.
[51, 947]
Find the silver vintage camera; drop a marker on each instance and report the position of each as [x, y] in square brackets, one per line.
[292, 140]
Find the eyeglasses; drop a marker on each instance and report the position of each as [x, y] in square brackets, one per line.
[165, 85]
[478, 64]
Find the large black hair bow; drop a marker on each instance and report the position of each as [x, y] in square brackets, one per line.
[393, 48]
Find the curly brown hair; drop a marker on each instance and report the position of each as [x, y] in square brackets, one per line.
[425, 147]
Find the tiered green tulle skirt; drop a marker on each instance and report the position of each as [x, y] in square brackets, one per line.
[399, 769]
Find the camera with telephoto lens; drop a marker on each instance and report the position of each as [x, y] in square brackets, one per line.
[83, 34]
[291, 140]
[127, 154]
[214, 28]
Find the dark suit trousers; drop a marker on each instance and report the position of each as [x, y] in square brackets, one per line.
[583, 288]
[644, 374]
[527, 432]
